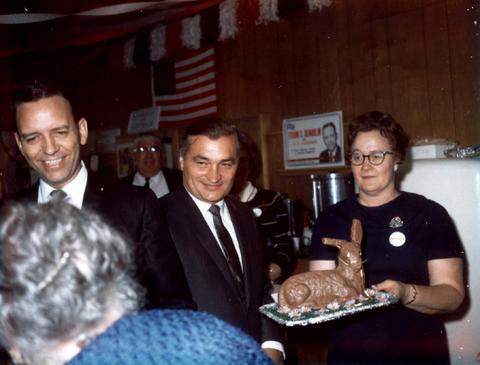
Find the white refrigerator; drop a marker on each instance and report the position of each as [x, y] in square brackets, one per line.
[455, 184]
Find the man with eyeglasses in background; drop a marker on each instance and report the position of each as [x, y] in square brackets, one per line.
[150, 172]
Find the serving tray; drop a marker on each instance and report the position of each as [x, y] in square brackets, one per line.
[307, 316]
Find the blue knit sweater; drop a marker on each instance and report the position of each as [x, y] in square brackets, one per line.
[161, 337]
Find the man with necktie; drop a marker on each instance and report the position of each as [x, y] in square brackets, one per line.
[216, 236]
[49, 136]
[150, 172]
[333, 152]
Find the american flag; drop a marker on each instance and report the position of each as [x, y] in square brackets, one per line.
[195, 89]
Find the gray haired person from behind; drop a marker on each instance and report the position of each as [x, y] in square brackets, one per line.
[64, 277]
[67, 297]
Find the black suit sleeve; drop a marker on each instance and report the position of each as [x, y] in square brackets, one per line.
[270, 330]
[161, 271]
[135, 211]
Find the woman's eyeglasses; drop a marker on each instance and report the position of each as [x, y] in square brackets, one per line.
[375, 158]
[142, 149]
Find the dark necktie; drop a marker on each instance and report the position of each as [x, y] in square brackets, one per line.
[147, 183]
[57, 195]
[227, 245]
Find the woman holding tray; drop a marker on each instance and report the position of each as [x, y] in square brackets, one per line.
[410, 248]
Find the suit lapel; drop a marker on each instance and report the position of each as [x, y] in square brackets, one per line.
[202, 233]
[92, 199]
[168, 179]
[241, 230]
[29, 195]
[338, 154]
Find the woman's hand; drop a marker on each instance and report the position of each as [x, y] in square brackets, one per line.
[444, 294]
[397, 288]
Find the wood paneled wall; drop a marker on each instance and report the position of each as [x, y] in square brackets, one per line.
[415, 59]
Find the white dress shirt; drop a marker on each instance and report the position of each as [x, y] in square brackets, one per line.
[226, 219]
[227, 222]
[332, 154]
[157, 183]
[75, 189]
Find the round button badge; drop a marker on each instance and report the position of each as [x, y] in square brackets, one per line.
[257, 212]
[397, 239]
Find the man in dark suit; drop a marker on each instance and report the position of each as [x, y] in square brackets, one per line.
[219, 246]
[49, 137]
[333, 153]
[148, 158]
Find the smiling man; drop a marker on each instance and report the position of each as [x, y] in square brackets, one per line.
[216, 236]
[150, 172]
[50, 138]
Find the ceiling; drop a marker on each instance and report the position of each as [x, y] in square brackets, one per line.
[30, 25]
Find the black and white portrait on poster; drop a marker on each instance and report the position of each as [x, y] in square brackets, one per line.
[313, 141]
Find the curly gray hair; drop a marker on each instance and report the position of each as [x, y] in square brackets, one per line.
[61, 271]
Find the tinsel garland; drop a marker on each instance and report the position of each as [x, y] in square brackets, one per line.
[317, 4]
[227, 19]
[128, 51]
[232, 15]
[268, 11]
[191, 32]
[158, 38]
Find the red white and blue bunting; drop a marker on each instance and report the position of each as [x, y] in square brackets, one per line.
[227, 19]
[232, 16]
[316, 5]
[128, 52]
[268, 11]
[191, 32]
[158, 47]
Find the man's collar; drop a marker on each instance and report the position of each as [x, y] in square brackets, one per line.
[334, 152]
[140, 178]
[204, 206]
[75, 189]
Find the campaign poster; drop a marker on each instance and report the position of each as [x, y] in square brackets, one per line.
[313, 141]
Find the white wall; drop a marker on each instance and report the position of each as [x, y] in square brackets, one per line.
[455, 184]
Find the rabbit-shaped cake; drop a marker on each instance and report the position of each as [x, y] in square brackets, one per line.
[316, 289]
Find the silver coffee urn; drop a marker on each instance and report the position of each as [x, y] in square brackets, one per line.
[329, 189]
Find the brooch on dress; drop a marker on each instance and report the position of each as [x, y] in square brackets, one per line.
[396, 222]
[257, 211]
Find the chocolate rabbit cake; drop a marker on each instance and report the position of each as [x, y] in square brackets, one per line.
[317, 289]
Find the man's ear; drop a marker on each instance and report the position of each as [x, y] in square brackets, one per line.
[16, 356]
[83, 131]
[19, 143]
[180, 162]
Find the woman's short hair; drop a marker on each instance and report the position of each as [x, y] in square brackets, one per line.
[386, 125]
[61, 270]
[250, 151]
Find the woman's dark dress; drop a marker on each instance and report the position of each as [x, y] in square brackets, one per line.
[395, 334]
[272, 220]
